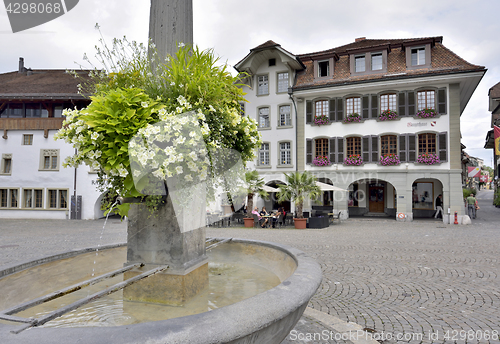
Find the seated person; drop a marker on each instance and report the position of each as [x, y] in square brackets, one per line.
[263, 212]
[276, 217]
[256, 212]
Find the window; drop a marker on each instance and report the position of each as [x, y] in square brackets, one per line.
[283, 82]
[285, 116]
[359, 64]
[388, 102]
[422, 195]
[264, 155]
[426, 100]
[262, 85]
[49, 159]
[321, 147]
[323, 68]
[272, 62]
[418, 56]
[353, 105]
[9, 198]
[58, 199]
[388, 144]
[6, 166]
[27, 139]
[285, 153]
[353, 145]
[321, 108]
[427, 143]
[33, 198]
[264, 117]
[377, 61]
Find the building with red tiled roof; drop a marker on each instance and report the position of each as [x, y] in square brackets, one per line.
[379, 117]
[33, 182]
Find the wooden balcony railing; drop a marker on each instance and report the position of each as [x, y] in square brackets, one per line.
[44, 124]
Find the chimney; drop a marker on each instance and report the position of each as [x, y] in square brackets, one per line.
[359, 39]
[21, 65]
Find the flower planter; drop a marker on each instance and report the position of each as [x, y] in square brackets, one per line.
[321, 120]
[388, 115]
[249, 222]
[428, 159]
[390, 160]
[300, 223]
[426, 113]
[353, 118]
[353, 160]
[321, 161]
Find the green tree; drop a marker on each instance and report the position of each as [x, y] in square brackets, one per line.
[254, 186]
[299, 186]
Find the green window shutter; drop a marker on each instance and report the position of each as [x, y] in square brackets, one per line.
[402, 103]
[340, 109]
[309, 151]
[365, 106]
[340, 150]
[332, 110]
[411, 104]
[442, 146]
[412, 147]
[441, 96]
[309, 112]
[403, 147]
[365, 148]
[332, 147]
[374, 148]
[374, 106]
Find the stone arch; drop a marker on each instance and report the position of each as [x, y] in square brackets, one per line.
[424, 193]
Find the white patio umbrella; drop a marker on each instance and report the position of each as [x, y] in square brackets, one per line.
[328, 187]
[268, 188]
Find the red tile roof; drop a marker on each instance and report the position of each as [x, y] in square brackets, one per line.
[443, 61]
[39, 84]
[494, 92]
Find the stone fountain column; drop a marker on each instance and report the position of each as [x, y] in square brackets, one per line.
[172, 235]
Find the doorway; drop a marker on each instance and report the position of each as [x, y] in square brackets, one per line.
[376, 198]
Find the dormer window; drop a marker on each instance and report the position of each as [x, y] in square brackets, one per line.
[377, 61]
[360, 64]
[418, 56]
[323, 68]
[368, 62]
[272, 62]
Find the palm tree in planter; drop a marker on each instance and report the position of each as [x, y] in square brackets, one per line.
[254, 186]
[298, 187]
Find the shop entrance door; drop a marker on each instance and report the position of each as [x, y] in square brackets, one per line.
[376, 197]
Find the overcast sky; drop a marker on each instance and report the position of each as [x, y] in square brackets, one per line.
[469, 28]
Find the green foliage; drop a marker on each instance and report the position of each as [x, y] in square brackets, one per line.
[136, 89]
[496, 199]
[468, 191]
[254, 185]
[298, 187]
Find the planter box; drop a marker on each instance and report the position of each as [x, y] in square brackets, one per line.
[248, 222]
[300, 223]
[319, 222]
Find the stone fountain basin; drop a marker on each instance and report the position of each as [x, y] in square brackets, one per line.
[265, 318]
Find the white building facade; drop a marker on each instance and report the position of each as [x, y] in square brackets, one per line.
[340, 95]
[33, 182]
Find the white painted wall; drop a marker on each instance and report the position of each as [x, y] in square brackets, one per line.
[26, 174]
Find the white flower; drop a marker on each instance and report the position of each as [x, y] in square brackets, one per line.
[188, 177]
[172, 83]
[159, 174]
[94, 136]
[180, 45]
[211, 108]
[144, 104]
[193, 156]
[178, 170]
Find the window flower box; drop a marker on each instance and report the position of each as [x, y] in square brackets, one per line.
[321, 120]
[321, 161]
[352, 118]
[388, 115]
[390, 160]
[353, 160]
[426, 113]
[428, 159]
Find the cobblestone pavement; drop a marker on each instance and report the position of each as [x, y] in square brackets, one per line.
[419, 282]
